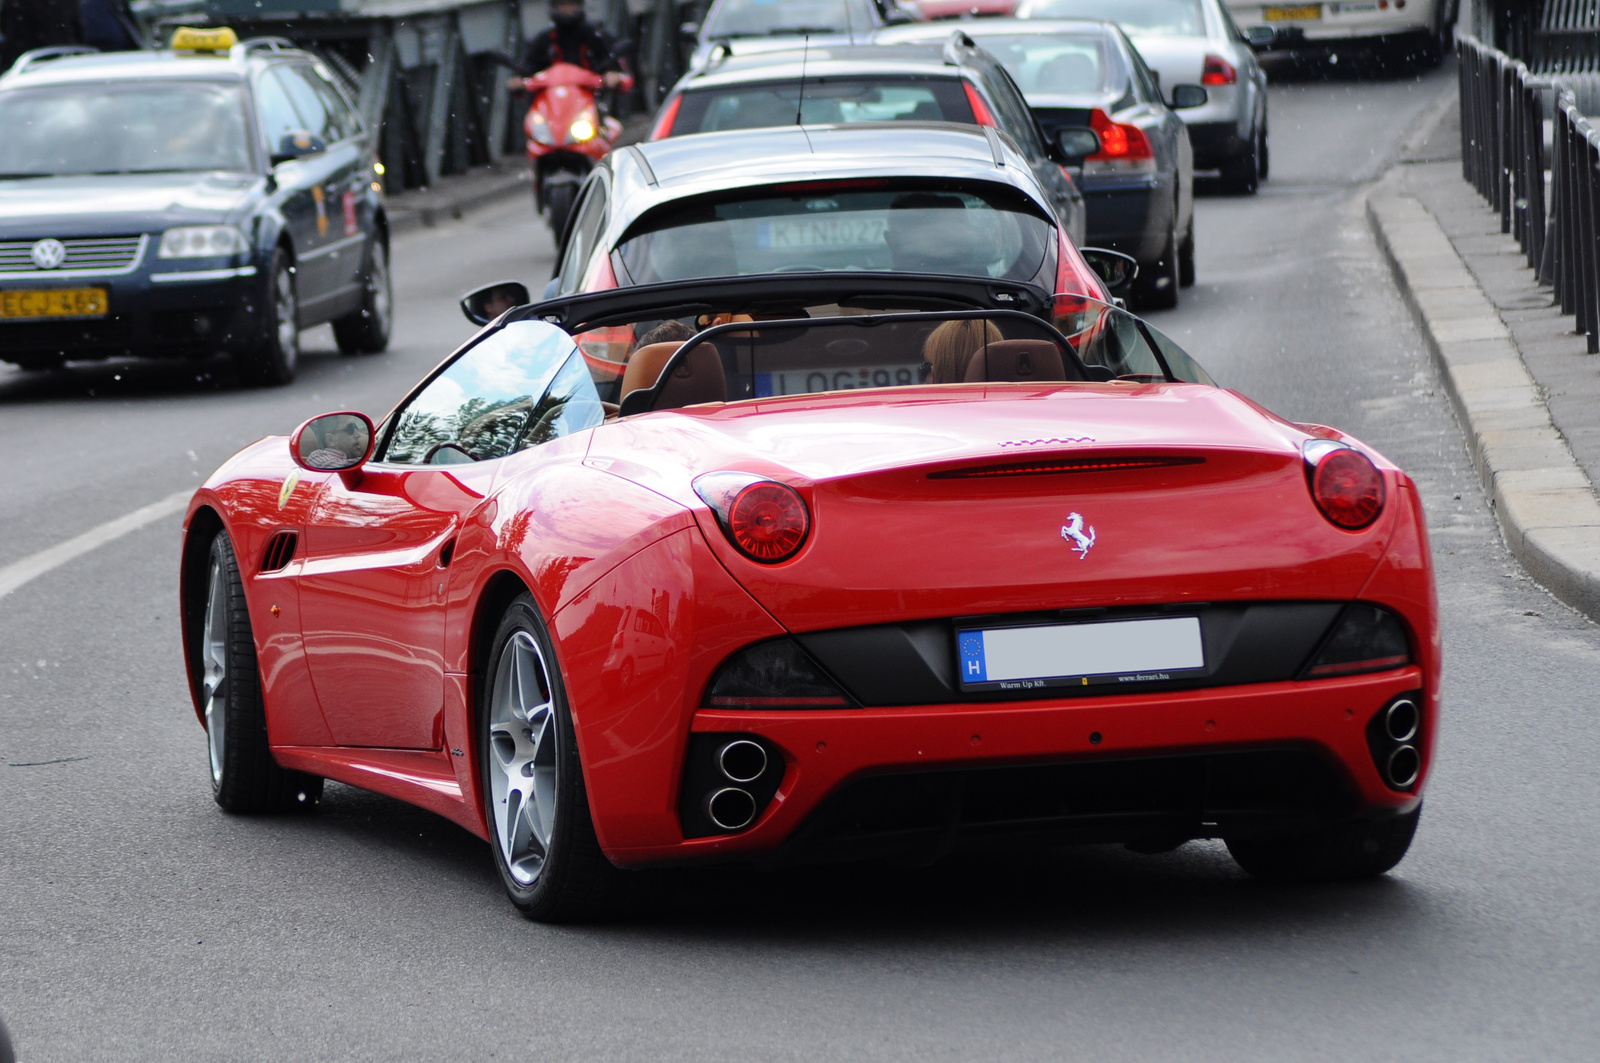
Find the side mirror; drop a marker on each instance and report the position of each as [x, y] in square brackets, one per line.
[1186, 96]
[1077, 143]
[1262, 38]
[1115, 269]
[492, 300]
[335, 442]
[297, 144]
[689, 31]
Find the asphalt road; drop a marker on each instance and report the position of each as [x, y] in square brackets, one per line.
[137, 921]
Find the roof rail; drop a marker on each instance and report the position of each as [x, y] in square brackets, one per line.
[954, 46]
[252, 45]
[44, 55]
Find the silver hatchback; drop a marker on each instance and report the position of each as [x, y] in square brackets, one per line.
[1193, 42]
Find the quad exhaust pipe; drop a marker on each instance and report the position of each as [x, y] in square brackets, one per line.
[731, 808]
[1401, 720]
[1403, 765]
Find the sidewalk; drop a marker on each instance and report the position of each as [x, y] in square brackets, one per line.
[1527, 394]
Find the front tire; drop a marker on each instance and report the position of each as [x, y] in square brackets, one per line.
[559, 199]
[244, 777]
[365, 330]
[274, 358]
[534, 799]
[1363, 849]
[1242, 176]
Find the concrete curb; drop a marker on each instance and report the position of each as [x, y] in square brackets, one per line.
[1544, 503]
[404, 218]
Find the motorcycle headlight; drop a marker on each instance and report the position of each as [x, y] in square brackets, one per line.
[584, 128]
[539, 129]
[202, 241]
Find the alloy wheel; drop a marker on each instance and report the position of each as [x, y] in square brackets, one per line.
[214, 660]
[523, 757]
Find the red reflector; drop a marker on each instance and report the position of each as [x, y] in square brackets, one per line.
[831, 186]
[767, 521]
[669, 114]
[1117, 140]
[980, 110]
[1218, 71]
[1376, 664]
[1036, 468]
[1348, 488]
[777, 703]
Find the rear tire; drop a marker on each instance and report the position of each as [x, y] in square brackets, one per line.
[365, 330]
[1362, 849]
[1186, 258]
[534, 799]
[274, 358]
[1156, 286]
[244, 777]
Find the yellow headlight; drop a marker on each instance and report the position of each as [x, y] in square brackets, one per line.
[582, 129]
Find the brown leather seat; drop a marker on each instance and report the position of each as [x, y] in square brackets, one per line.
[697, 378]
[1017, 361]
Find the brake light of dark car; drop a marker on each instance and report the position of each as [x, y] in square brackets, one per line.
[1073, 275]
[669, 114]
[764, 519]
[1344, 483]
[1367, 638]
[1218, 71]
[1123, 147]
[773, 675]
[980, 110]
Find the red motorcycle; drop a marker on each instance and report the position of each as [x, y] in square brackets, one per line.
[567, 135]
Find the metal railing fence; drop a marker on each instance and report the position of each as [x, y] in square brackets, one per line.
[1504, 111]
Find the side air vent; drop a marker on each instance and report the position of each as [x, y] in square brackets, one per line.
[280, 551]
[1039, 468]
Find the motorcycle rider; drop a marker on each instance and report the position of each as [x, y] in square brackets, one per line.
[571, 38]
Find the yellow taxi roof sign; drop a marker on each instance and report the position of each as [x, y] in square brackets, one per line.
[204, 41]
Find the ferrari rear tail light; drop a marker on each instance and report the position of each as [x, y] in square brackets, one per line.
[1123, 147]
[1367, 638]
[669, 115]
[980, 110]
[1218, 71]
[766, 520]
[1345, 484]
[774, 675]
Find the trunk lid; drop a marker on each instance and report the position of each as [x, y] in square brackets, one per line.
[925, 507]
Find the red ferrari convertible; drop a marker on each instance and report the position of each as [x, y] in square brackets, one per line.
[843, 566]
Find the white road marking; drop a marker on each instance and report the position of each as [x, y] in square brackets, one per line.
[17, 573]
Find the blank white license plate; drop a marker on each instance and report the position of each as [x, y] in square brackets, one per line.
[1112, 651]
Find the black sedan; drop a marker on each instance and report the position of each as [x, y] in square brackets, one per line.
[1137, 170]
[217, 196]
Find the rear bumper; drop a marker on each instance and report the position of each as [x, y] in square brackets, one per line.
[1130, 215]
[1229, 761]
[1216, 143]
[168, 313]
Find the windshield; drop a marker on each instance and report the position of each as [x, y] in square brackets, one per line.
[779, 18]
[859, 225]
[1050, 65]
[1155, 18]
[123, 127]
[728, 355]
[826, 101]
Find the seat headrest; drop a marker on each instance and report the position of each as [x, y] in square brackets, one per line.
[698, 376]
[1017, 361]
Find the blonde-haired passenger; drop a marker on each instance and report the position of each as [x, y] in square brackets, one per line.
[948, 350]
